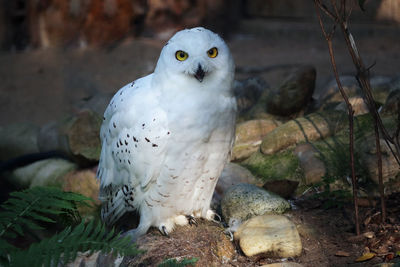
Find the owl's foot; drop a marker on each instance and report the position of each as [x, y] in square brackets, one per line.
[191, 220]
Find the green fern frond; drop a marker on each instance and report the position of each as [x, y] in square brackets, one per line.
[175, 263]
[25, 209]
[64, 246]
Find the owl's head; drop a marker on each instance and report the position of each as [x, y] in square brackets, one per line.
[195, 56]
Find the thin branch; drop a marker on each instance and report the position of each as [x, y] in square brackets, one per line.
[349, 108]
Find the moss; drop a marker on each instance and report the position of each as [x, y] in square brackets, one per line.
[284, 165]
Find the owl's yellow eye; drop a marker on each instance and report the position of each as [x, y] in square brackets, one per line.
[181, 55]
[213, 52]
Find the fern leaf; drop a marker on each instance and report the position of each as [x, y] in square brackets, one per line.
[27, 208]
[65, 246]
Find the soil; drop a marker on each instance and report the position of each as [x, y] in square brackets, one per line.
[43, 85]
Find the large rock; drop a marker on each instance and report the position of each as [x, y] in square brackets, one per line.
[293, 95]
[249, 135]
[17, 140]
[85, 183]
[309, 128]
[207, 242]
[272, 235]
[76, 136]
[279, 166]
[244, 201]
[48, 172]
[248, 92]
[232, 174]
[313, 167]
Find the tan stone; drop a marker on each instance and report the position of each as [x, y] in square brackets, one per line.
[249, 136]
[358, 105]
[274, 235]
[84, 182]
[309, 128]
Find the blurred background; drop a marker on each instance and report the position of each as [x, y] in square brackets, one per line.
[56, 55]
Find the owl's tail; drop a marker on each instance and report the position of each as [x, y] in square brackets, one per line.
[116, 201]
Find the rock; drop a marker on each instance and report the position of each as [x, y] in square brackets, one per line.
[283, 188]
[357, 103]
[279, 166]
[244, 201]
[330, 94]
[249, 135]
[309, 128]
[294, 93]
[76, 136]
[283, 264]
[248, 92]
[84, 182]
[313, 167]
[18, 139]
[272, 235]
[369, 158]
[207, 242]
[48, 172]
[392, 104]
[232, 174]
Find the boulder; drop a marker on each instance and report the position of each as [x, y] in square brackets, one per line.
[272, 235]
[294, 94]
[279, 166]
[48, 172]
[305, 129]
[244, 201]
[232, 174]
[76, 136]
[85, 183]
[249, 136]
[248, 92]
[313, 167]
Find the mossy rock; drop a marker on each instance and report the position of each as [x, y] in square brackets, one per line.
[309, 128]
[284, 165]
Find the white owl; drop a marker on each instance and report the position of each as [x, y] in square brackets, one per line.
[167, 136]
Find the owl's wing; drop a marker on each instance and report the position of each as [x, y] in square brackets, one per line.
[134, 134]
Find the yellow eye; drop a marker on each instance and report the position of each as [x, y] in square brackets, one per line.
[181, 55]
[213, 52]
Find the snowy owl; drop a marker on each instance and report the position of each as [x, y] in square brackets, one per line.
[167, 136]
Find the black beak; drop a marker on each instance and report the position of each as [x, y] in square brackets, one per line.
[199, 75]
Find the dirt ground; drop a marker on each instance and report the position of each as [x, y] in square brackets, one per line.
[43, 85]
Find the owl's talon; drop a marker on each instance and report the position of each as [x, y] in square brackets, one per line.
[218, 217]
[164, 231]
[191, 220]
[229, 233]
